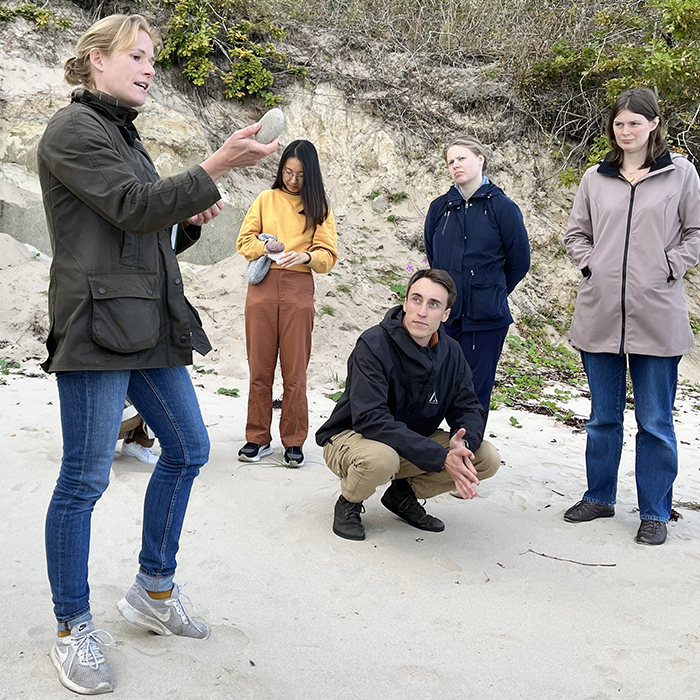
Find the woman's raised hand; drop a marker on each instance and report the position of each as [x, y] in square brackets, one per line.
[238, 151]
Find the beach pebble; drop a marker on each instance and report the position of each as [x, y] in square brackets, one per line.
[274, 246]
[271, 126]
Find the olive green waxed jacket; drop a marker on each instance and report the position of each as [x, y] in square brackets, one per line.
[115, 292]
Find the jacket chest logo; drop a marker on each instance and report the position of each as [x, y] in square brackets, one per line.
[433, 399]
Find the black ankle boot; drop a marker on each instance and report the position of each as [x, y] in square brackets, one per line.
[401, 500]
[347, 522]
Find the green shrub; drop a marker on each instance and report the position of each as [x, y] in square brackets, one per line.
[655, 44]
[33, 13]
[210, 38]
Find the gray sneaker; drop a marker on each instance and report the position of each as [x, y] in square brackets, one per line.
[79, 661]
[167, 616]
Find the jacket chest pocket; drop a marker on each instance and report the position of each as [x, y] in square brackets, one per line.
[488, 297]
[125, 310]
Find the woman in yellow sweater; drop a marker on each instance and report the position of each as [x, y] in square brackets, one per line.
[279, 311]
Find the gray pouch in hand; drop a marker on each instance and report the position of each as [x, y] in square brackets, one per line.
[257, 269]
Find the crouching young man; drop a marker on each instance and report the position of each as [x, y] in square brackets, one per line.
[404, 377]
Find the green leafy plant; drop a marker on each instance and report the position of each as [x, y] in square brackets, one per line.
[33, 13]
[228, 392]
[10, 367]
[209, 38]
[327, 310]
[656, 43]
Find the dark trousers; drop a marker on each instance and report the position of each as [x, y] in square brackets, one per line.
[482, 350]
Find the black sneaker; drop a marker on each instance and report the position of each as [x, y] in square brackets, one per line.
[347, 522]
[293, 457]
[651, 532]
[585, 511]
[401, 500]
[250, 452]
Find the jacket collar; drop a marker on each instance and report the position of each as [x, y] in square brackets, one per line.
[392, 323]
[608, 169]
[111, 108]
[486, 190]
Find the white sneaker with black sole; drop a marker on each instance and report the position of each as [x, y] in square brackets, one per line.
[251, 452]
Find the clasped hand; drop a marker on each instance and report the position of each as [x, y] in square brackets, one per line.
[458, 465]
[290, 258]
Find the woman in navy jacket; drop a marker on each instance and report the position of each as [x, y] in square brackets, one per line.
[477, 234]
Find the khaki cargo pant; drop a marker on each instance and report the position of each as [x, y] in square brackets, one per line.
[363, 465]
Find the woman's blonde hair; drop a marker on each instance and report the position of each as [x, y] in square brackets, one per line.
[470, 142]
[113, 34]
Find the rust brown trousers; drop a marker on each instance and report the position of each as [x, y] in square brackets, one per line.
[279, 318]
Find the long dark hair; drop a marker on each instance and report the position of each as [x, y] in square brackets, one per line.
[638, 101]
[313, 195]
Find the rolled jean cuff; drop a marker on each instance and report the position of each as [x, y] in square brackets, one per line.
[155, 584]
[67, 625]
[598, 502]
[657, 518]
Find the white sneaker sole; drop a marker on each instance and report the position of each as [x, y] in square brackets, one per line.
[136, 617]
[263, 453]
[72, 685]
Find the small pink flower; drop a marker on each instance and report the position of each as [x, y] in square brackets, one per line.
[424, 260]
[410, 268]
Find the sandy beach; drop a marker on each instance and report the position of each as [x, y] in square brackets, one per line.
[483, 610]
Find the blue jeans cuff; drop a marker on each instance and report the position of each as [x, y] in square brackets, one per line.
[67, 625]
[653, 517]
[599, 503]
[155, 584]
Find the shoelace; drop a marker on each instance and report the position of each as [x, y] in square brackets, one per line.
[180, 609]
[352, 509]
[87, 648]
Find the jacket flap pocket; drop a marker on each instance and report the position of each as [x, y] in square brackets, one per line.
[113, 285]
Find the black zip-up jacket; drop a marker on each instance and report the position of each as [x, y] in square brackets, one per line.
[483, 244]
[398, 392]
[115, 292]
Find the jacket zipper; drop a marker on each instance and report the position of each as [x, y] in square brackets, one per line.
[624, 269]
[444, 226]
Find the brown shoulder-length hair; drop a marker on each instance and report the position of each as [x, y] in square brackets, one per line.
[639, 101]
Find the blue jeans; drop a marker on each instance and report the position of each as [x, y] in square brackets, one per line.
[91, 412]
[654, 381]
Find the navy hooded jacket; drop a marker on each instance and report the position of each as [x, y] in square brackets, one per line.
[398, 392]
[483, 245]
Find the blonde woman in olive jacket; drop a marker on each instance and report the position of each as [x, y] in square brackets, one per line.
[634, 231]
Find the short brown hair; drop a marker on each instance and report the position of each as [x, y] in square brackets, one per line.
[438, 276]
[113, 34]
[638, 101]
[470, 142]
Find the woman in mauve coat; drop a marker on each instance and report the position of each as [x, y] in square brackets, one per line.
[633, 232]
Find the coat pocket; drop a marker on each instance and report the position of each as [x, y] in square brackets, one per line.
[488, 297]
[125, 310]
